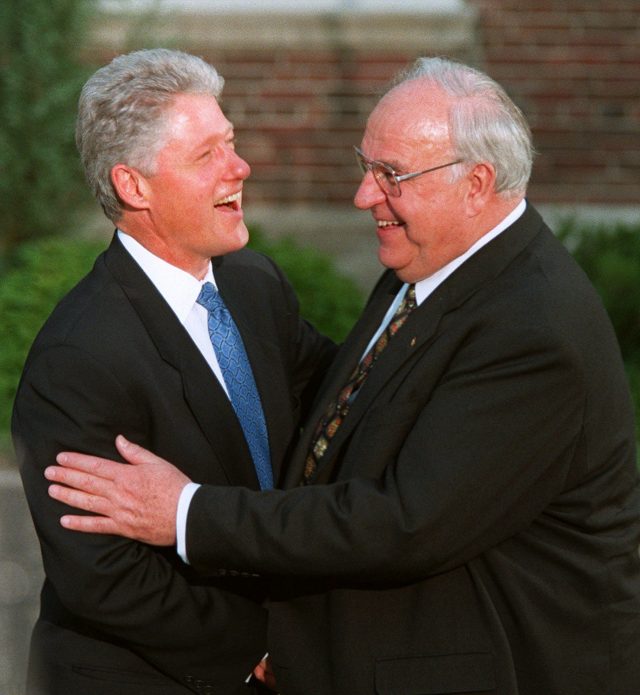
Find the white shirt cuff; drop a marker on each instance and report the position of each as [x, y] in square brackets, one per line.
[188, 491]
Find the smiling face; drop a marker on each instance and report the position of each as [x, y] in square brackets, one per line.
[191, 208]
[427, 225]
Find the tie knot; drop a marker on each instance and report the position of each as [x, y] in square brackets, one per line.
[208, 297]
[408, 302]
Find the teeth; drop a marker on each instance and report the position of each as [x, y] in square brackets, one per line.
[387, 223]
[229, 199]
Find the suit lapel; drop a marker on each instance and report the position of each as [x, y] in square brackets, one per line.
[421, 327]
[202, 392]
[342, 366]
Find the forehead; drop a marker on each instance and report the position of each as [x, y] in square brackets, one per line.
[193, 117]
[413, 115]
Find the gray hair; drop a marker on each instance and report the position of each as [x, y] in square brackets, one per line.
[486, 126]
[120, 113]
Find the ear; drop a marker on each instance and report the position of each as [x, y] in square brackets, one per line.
[482, 179]
[131, 186]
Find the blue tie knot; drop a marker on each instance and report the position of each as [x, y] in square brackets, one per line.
[209, 297]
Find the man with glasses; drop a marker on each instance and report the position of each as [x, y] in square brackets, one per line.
[463, 512]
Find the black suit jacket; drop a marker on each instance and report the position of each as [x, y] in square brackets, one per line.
[118, 616]
[480, 530]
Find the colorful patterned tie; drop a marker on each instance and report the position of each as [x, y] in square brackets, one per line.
[234, 363]
[338, 409]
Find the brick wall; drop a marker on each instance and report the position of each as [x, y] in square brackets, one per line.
[299, 116]
[574, 68]
[299, 88]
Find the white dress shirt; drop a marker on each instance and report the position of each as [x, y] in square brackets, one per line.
[424, 288]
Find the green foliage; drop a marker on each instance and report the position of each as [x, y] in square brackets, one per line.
[41, 183]
[610, 256]
[40, 272]
[328, 299]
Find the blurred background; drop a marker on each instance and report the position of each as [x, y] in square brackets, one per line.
[301, 78]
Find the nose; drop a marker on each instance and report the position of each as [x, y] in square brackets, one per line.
[238, 167]
[368, 193]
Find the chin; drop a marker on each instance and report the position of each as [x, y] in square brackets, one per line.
[238, 238]
[392, 262]
[244, 233]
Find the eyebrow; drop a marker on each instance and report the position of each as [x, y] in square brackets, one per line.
[206, 143]
[396, 168]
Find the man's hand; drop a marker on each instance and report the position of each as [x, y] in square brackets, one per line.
[264, 673]
[137, 501]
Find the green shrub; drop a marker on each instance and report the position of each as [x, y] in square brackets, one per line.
[610, 256]
[330, 300]
[42, 271]
[41, 184]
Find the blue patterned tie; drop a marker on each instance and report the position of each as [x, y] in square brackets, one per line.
[238, 377]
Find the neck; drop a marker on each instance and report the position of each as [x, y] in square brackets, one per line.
[196, 266]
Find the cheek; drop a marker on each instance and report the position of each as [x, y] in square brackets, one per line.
[198, 197]
[419, 224]
[432, 218]
[208, 176]
[176, 192]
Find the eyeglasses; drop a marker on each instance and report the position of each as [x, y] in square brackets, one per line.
[386, 176]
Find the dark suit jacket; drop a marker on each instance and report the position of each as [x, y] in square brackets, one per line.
[119, 617]
[481, 532]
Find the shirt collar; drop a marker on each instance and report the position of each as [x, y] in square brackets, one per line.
[426, 286]
[177, 287]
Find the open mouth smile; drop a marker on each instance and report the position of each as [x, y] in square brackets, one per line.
[232, 202]
[383, 225]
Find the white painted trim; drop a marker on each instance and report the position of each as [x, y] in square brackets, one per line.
[416, 33]
[289, 6]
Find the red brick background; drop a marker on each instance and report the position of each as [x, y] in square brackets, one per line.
[574, 68]
[572, 65]
[298, 114]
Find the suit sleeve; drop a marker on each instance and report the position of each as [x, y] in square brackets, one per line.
[125, 591]
[451, 474]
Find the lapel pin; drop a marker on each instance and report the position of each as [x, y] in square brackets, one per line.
[413, 342]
